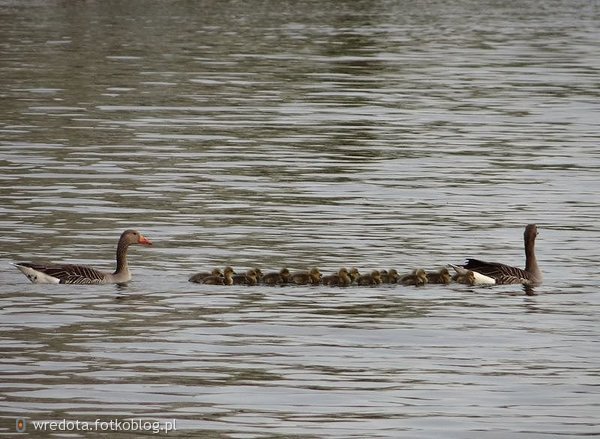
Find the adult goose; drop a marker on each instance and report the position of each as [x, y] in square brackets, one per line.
[83, 274]
[506, 274]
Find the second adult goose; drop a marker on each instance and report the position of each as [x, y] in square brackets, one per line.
[83, 274]
[506, 274]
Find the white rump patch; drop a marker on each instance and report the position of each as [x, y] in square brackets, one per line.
[37, 277]
[482, 279]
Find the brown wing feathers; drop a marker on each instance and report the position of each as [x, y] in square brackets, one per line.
[504, 274]
[70, 274]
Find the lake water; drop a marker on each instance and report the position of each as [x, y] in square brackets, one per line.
[375, 134]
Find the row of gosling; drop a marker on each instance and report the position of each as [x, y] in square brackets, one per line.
[343, 278]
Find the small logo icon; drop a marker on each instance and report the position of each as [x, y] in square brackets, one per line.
[21, 425]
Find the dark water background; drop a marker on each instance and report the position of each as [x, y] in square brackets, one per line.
[376, 134]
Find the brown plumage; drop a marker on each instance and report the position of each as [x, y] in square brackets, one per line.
[418, 278]
[467, 278]
[213, 280]
[373, 278]
[389, 277]
[225, 279]
[354, 274]
[249, 278]
[199, 277]
[83, 274]
[228, 274]
[259, 274]
[506, 274]
[441, 276]
[311, 277]
[279, 278]
[340, 279]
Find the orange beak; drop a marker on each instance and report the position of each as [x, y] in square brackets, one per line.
[144, 241]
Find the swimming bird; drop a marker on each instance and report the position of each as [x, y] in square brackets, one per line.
[276, 278]
[373, 278]
[439, 277]
[213, 279]
[467, 277]
[418, 278]
[83, 274]
[311, 277]
[199, 277]
[220, 279]
[506, 274]
[340, 279]
[259, 274]
[228, 274]
[470, 277]
[389, 276]
[249, 278]
[354, 274]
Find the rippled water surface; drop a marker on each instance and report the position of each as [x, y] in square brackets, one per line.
[375, 134]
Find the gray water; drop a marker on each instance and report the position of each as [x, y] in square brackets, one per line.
[375, 134]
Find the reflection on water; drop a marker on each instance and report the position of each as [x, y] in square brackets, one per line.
[376, 135]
